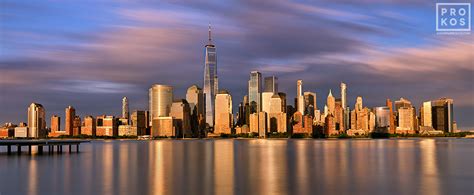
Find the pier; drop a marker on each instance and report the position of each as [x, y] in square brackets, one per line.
[41, 144]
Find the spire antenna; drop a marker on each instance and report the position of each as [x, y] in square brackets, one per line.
[210, 39]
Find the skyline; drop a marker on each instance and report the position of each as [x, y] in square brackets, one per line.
[92, 69]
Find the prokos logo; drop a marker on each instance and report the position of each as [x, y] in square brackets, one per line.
[453, 17]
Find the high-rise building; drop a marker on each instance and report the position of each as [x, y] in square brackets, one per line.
[344, 105]
[299, 97]
[210, 80]
[36, 120]
[106, 126]
[255, 89]
[125, 109]
[76, 129]
[358, 105]
[55, 123]
[138, 122]
[402, 103]
[338, 116]
[266, 97]
[309, 103]
[331, 103]
[382, 119]
[443, 114]
[426, 116]
[161, 98]
[181, 113]
[89, 127]
[224, 116]
[70, 113]
[195, 99]
[271, 84]
[405, 120]
[392, 117]
[276, 115]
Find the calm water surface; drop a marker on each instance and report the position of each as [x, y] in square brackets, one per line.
[247, 166]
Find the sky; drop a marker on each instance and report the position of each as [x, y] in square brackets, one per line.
[90, 54]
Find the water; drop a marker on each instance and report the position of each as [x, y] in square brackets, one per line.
[247, 166]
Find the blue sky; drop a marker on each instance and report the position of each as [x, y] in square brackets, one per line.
[90, 54]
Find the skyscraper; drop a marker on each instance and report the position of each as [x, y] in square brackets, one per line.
[69, 124]
[160, 100]
[382, 118]
[331, 103]
[210, 79]
[181, 113]
[55, 123]
[195, 99]
[358, 105]
[271, 84]
[392, 116]
[224, 117]
[125, 112]
[426, 116]
[299, 97]
[442, 114]
[344, 105]
[255, 89]
[36, 120]
[309, 103]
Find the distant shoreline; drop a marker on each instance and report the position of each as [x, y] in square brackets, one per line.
[250, 136]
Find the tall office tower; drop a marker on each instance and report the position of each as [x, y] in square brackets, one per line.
[344, 105]
[358, 105]
[343, 95]
[195, 99]
[443, 114]
[426, 116]
[160, 100]
[266, 97]
[36, 120]
[89, 127]
[210, 80]
[255, 89]
[55, 123]
[402, 103]
[392, 116]
[125, 111]
[246, 104]
[363, 119]
[224, 116]
[309, 103]
[371, 121]
[331, 103]
[76, 129]
[271, 84]
[382, 119]
[276, 117]
[299, 104]
[138, 121]
[181, 113]
[283, 101]
[405, 119]
[70, 115]
[338, 116]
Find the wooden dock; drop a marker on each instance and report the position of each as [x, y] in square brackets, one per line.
[40, 144]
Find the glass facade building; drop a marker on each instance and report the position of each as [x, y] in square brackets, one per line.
[210, 80]
[255, 89]
[161, 98]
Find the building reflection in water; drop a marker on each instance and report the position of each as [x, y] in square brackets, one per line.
[429, 171]
[245, 166]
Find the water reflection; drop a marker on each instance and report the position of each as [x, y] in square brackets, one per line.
[411, 166]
